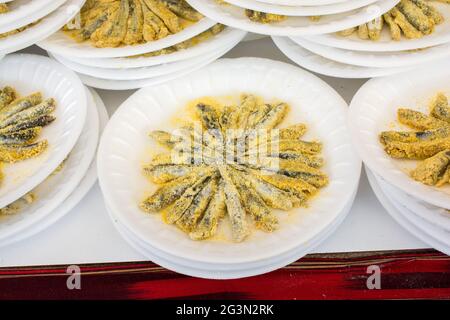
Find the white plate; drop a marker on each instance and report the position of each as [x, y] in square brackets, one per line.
[227, 271]
[29, 73]
[225, 38]
[138, 73]
[304, 11]
[319, 64]
[397, 215]
[436, 231]
[295, 3]
[60, 43]
[313, 101]
[441, 35]
[374, 109]
[75, 197]
[43, 29]
[23, 12]
[136, 84]
[55, 191]
[293, 26]
[377, 59]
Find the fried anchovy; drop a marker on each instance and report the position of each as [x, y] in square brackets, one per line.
[40, 121]
[168, 193]
[274, 117]
[183, 9]
[419, 120]
[168, 17]
[394, 28]
[416, 150]
[433, 171]
[197, 208]
[430, 11]
[254, 204]
[416, 16]
[235, 209]
[12, 154]
[408, 136]
[440, 108]
[42, 109]
[207, 227]
[7, 95]
[21, 137]
[20, 105]
[408, 29]
[174, 212]
[135, 24]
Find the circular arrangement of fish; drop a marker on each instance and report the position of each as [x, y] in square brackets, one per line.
[233, 160]
[430, 144]
[113, 23]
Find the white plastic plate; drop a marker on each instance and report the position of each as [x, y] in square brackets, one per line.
[377, 59]
[48, 25]
[304, 11]
[61, 44]
[293, 26]
[319, 64]
[55, 189]
[30, 73]
[440, 35]
[125, 144]
[222, 40]
[374, 109]
[75, 197]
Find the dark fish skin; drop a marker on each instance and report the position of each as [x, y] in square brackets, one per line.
[21, 105]
[21, 137]
[208, 115]
[182, 9]
[41, 121]
[45, 108]
[417, 136]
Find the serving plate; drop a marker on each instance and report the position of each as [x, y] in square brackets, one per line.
[293, 26]
[377, 59]
[29, 73]
[61, 44]
[109, 84]
[226, 272]
[440, 35]
[319, 64]
[55, 190]
[48, 25]
[224, 39]
[121, 154]
[374, 109]
[396, 213]
[23, 12]
[302, 11]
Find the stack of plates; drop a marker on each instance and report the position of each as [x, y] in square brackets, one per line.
[74, 136]
[352, 57]
[40, 17]
[125, 142]
[423, 210]
[334, 15]
[114, 69]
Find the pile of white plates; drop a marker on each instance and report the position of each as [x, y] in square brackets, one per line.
[422, 210]
[352, 57]
[335, 15]
[81, 117]
[43, 17]
[116, 69]
[123, 150]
